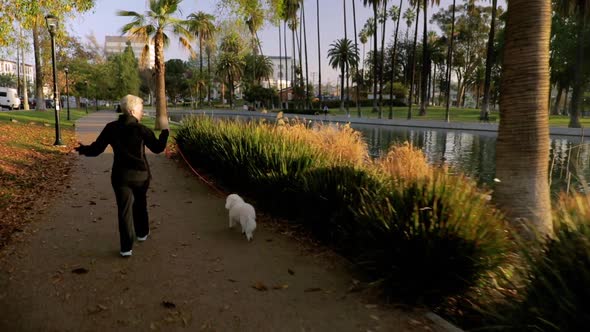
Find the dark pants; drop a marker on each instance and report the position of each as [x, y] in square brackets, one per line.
[130, 191]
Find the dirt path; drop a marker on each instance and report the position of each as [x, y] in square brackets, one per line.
[193, 274]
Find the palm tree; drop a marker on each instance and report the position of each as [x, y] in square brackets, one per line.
[319, 54]
[383, 23]
[210, 47]
[259, 67]
[409, 17]
[425, 57]
[357, 76]
[581, 9]
[341, 54]
[485, 113]
[450, 65]
[412, 73]
[394, 13]
[201, 24]
[151, 28]
[376, 4]
[229, 68]
[522, 149]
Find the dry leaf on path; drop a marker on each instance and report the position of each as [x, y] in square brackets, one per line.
[260, 286]
[168, 305]
[80, 270]
[313, 289]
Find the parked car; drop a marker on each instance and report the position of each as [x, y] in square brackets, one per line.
[32, 103]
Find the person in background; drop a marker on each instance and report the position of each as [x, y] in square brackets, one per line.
[130, 175]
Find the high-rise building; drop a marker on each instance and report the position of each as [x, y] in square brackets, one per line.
[118, 44]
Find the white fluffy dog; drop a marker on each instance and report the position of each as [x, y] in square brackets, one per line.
[241, 212]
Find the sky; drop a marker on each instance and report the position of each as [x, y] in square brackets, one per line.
[102, 21]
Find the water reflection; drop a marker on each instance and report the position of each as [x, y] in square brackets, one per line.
[474, 153]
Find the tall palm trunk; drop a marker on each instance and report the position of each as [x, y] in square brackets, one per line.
[342, 66]
[356, 46]
[280, 85]
[307, 101]
[425, 63]
[209, 77]
[578, 74]
[40, 104]
[522, 149]
[231, 91]
[450, 65]
[319, 55]
[393, 58]
[200, 66]
[375, 17]
[346, 64]
[413, 72]
[485, 113]
[382, 67]
[299, 49]
[161, 114]
[286, 61]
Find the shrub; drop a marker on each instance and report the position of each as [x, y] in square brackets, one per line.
[431, 238]
[557, 296]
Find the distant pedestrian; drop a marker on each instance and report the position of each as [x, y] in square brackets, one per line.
[130, 176]
[325, 110]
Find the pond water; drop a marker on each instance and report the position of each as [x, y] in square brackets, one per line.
[473, 152]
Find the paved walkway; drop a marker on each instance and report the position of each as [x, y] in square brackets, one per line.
[192, 274]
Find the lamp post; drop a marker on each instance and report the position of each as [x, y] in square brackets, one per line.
[52, 27]
[66, 70]
[86, 82]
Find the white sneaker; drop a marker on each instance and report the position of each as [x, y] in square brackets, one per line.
[143, 238]
[126, 253]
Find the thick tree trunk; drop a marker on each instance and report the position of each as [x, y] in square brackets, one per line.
[564, 110]
[40, 103]
[161, 113]
[319, 56]
[522, 149]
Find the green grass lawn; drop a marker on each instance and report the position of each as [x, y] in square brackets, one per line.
[455, 114]
[47, 116]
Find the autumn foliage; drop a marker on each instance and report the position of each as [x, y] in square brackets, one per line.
[32, 171]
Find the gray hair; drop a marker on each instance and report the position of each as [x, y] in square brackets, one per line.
[131, 103]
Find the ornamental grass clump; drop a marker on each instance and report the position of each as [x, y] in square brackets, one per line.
[431, 238]
[557, 292]
[404, 161]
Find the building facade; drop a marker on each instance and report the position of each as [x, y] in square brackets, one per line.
[278, 79]
[118, 44]
[8, 67]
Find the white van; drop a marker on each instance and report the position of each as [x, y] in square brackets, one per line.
[9, 98]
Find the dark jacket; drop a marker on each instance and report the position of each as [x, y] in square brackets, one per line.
[127, 137]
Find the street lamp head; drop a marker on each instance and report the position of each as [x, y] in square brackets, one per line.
[66, 70]
[51, 21]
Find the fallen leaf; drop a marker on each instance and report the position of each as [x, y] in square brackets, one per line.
[232, 280]
[291, 272]
[280, 287]
[91, 202]
[260, 286]
[168, 305]
[80, 270]
[313, 289]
